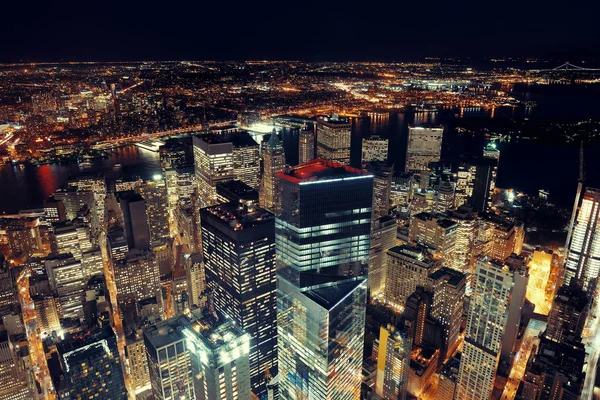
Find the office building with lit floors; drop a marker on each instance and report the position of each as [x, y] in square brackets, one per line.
[238, 244]
[91, 365]
[333, 139]
[487, 322]
[213, 163]
[273, 162]
[393, 362]
[424, 147]
[306, 145]
[582, 258]
[322, 240]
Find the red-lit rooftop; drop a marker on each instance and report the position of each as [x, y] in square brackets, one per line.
[318, 169]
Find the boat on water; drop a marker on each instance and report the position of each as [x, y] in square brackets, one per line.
[117, 167]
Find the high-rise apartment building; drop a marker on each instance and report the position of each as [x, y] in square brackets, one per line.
[154, 194]
[487, 321]
[92, 366]
[407, 268]
[374, 149]
[393, 362]
[383, 238]
[306, 145]
[238, 244]
[323, 248]
[213, 163]
[448, 287]
[436, 232]
[424, 147]
[333, 139]
[582, 258]
[273, 162]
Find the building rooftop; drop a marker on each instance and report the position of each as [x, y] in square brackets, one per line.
[236, 190]
[320, 170]
[165, 332]
[439, 218]
[335, 121]
[239, 216]
[453, 276]
[330, 294]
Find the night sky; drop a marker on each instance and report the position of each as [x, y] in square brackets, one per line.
[296, 30]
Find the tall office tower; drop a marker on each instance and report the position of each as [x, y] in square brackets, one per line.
[333, 139]
[13, 378]
[169, 362]
[448, 287]
[416, 312]
[321, 242]
[583, 246]
[407, 268]
[383, 238]
[246, 159]
[220, 352]
[306, 145]
[568, 313]
[424, 147]
[47, 315]
[173, 154]
[467, 232]
[444, 198]
[213, 163]
[382, 186]
[154, 194]
[137, 362]
[194, 269]
[8, 289]
[137, 276]
[84, 235]
[97, 186]
[65, 239]
[92, 366]
[117, 244]
[435, 232]
[519, 237]
[374, 148]
[273, 162]
[135, 219]
[393, 362]
[476, 182]
[66, 280]
[238, 244]
[448, 380]
[487, 320]
[54, 210]
[556, 372]
[74, 200]
[500, 234]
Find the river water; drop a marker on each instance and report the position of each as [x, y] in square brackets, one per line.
[525, 165]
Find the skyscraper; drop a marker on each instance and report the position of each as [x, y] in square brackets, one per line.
[92, 366]
[435, 232]
[306, 145]
[134, 219]
[568, 313]
[321, 243]
[382, 186]
[213, 163]
[448, 287]
[393, 362]
[154, 194]
[246, 159]
[407, 268]
[486, 325]
[273, 162]
[333, 139]
[137, 276]
[444, 199]
[383, 238]
[582, 258]
[238, 244]
[374, 148]
[424, 147]
[67, 282]
[476, 182]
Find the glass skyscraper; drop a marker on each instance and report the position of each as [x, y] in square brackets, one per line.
[238, 244]
[322, 240]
